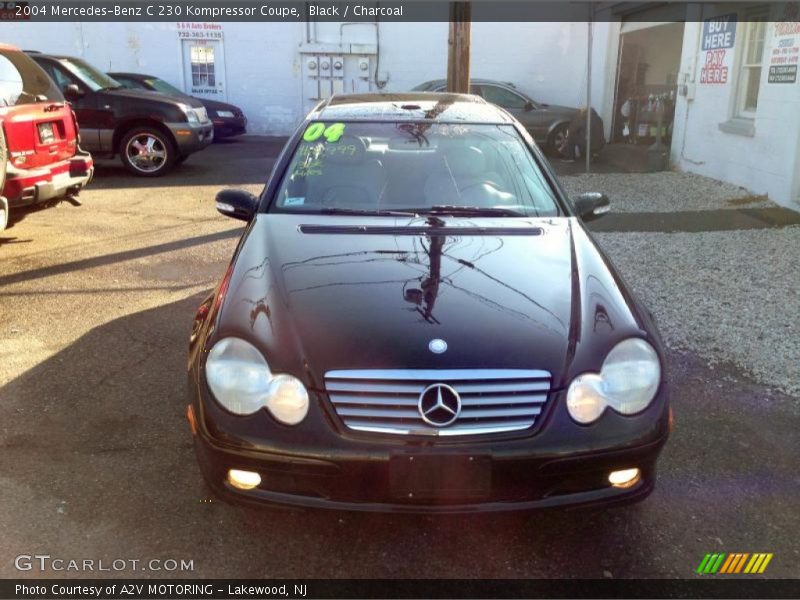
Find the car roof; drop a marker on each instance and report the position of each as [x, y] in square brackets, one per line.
[409, 106]
[478, 80]
[131, 75]
[37, 54]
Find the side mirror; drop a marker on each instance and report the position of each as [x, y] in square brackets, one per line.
[591, 205]
[529, 106]
[237, 204]
[73, 92]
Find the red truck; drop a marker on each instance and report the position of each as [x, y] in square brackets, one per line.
[40, 156]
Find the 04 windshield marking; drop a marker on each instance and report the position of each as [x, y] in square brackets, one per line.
[387, 169]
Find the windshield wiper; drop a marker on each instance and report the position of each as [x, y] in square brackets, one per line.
[470, 211]
[332, 210]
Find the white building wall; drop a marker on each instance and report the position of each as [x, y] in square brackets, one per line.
[263, 62]
[766, 162]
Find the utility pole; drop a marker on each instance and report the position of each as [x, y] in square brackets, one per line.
[458, 47]
[589, 94]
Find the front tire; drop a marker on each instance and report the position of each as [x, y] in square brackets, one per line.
[147, 152]
[3, 213]
[3, 164]
[556, 139]
[3, 161]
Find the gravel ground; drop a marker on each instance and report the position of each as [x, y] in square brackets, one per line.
[730, 296]
[665, 191]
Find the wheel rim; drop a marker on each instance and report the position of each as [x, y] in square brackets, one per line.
[558, 140]
[146, 152]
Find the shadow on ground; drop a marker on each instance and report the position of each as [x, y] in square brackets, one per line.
[235, 162]
[96, 461]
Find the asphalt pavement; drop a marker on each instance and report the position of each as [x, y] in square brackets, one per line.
[96, 461]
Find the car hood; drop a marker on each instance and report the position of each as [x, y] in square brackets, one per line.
[216, 104]
[517, 293]
[564, 110]
[154, 96]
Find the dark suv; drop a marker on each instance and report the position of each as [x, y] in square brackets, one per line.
[150, 132]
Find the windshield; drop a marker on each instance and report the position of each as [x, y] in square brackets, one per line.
[94, 79]
[414, 167]
[22, 81]
[162, 86]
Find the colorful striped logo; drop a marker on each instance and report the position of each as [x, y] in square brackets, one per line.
[735, 563]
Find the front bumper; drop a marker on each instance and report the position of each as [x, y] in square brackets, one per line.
[30, 186]
[191, 137]
[229, 127]
[559, 464]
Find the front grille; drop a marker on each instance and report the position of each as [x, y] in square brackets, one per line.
[386, 401]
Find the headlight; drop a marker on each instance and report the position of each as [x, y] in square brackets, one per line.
[627, 382]
[241, 381]
[288, 399]
[190, 113]
[225, 114]
[201, 113]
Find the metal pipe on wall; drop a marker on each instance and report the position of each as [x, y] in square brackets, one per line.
[589, 93]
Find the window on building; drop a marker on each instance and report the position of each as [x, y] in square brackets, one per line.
[203, 66]
[749, 81]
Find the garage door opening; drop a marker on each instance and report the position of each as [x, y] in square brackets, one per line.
[647, 75]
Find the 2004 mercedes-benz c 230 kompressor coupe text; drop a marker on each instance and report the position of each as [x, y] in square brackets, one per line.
[417, 320]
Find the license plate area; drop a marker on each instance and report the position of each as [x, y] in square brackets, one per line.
[47, 133]
[424, 477]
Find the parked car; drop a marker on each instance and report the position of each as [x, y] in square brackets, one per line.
[547, 123]
[417, 319]
[39, 152]
[150, 132]
[228, 120]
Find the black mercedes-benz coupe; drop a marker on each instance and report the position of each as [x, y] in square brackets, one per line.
[416, 319]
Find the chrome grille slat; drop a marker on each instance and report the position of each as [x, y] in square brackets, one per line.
[375, 400]
[372, 387]
[453, 430]
[385, 401]
[498, 412]
[491, 388]
[492, 400]
[346, 411]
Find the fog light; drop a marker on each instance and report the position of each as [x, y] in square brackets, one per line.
[624, 479]
[243, 480]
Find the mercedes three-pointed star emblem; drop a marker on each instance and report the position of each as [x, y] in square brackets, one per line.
[439, 405]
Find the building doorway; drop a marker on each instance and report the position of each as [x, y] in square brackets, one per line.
[647, 76]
